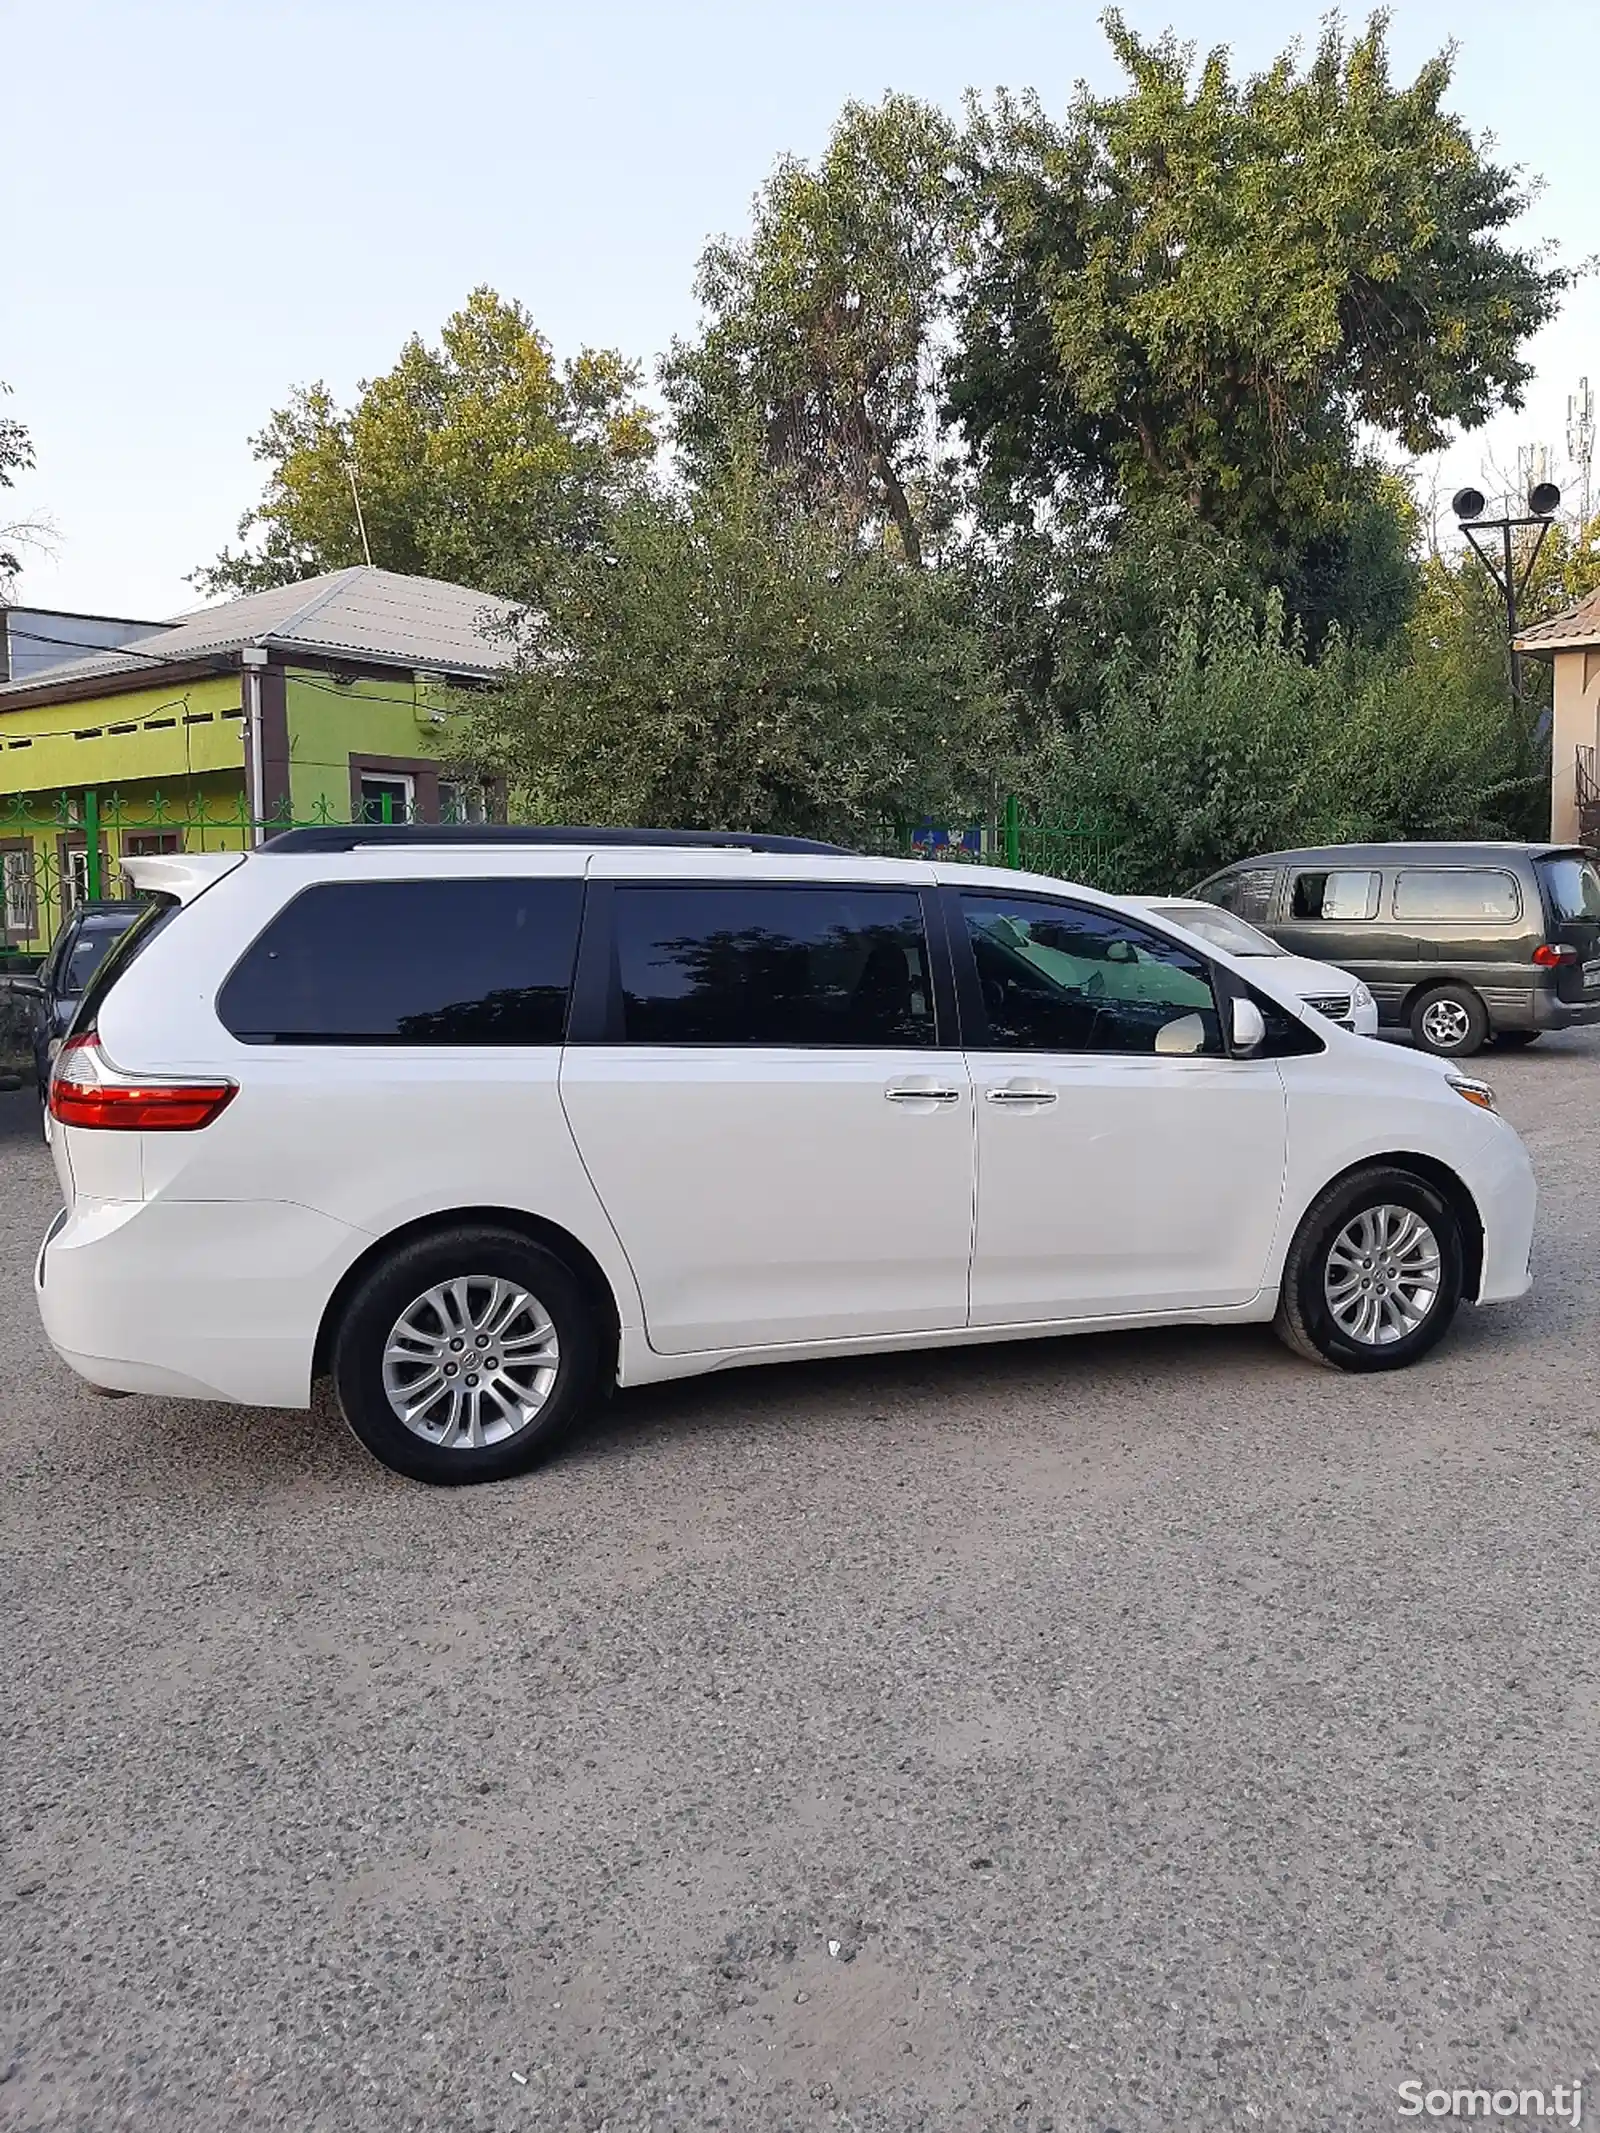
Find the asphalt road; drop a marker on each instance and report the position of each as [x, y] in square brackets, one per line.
[1146, 1733]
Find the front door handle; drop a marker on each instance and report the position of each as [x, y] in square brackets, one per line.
[921, 1089]
[1021, 1092]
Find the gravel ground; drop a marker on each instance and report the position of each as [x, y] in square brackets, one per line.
[1139, 1733]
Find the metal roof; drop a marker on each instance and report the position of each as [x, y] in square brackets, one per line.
[1575, 626]
[363, 614]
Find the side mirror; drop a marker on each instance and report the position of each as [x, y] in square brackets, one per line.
[23, 988]
[1182, 1038]
[1249, 1030]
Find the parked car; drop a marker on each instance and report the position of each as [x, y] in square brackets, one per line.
[1334, 993]
[1457, 942]
[482, 1122]
[54, 991]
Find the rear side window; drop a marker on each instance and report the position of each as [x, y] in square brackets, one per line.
[1456, 892]
[410, 962]
[1337, 894]
[1571, 887]
[772, 966]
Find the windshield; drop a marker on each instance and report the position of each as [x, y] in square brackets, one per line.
[1571, 886]
[1221, 928]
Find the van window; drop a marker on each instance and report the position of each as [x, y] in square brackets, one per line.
[781, 965]
[1571, 886]
[1247, 893]
[1062, 978]
[410, 962]
[1343, 894]
[1456, 892]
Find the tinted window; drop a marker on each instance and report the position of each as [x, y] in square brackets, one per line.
[87, 949]
[1456, 892]
[1341, 894]
[777, 966]
[410, 962]
[1249, 892]
[121, 952]
[1571, 886]
[1061, 978]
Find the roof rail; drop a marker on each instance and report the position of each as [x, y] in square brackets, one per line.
[357, 836]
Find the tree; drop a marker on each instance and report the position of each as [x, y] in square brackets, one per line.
[1207, 289]
[1231, 741]
[16, 457]
[471, 461]
[724, 664]
[820, 342]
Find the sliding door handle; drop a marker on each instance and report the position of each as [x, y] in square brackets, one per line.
[1021, 1093]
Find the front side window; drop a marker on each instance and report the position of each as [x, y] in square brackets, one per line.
[1456, 892]
[780, 965]
[1249, 892]
[410, 962]
[88, 950]
[1064, 978]
[1338, 894]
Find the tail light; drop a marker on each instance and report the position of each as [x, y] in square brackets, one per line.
[1549, 955]
[87, 1090]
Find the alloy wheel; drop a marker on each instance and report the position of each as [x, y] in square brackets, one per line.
[1445, 1024]
[470, 1362]
[1383, 1274]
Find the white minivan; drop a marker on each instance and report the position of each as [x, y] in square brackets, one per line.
[483, 1121]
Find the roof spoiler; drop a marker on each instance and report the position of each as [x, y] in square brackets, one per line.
[181, 874]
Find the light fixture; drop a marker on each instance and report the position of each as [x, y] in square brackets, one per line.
[1467, 503]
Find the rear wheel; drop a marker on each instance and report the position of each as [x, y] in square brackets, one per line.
[1374, 1275]
[464, 1355]
[1450, 1020]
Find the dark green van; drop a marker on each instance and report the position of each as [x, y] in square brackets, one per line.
[1456, 942]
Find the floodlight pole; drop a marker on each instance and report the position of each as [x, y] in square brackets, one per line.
[1512, 582]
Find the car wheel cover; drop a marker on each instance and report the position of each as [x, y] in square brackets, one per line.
[1382, 1275]
[470, 1362]
[1446, 1023]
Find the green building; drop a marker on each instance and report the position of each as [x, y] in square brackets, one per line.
[324, 701]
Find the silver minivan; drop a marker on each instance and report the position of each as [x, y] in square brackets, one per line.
[1457, 943]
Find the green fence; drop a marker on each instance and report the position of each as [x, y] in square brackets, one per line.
[62, 849]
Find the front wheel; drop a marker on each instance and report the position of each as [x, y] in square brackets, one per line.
[464, 1355]
[1374, 1275]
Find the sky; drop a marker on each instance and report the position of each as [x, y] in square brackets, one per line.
[212, 204]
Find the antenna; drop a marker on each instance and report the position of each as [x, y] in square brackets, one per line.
[1580, 444]
[355, 498]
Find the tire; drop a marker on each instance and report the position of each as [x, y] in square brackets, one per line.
[1517, 1040]
[1308, 1320]
[478, 1272]
[1451, 1021]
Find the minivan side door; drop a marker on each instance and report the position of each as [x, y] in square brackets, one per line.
[1340, 914]
[1112, 1178]
[775, 1109]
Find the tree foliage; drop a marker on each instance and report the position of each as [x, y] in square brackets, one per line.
[820, 339]
[472, 461]
[16, 457]
[723, 664]
[1232, 741]
[1207, 288]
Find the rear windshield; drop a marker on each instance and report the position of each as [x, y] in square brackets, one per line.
[88, 950]
[123, 952]
[1571, 886]
[1223, 929]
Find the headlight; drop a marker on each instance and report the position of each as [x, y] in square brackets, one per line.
[1475, 1092]
[1361, 996]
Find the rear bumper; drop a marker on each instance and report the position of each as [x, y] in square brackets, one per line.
[1507, 1199]
[205, 1300]
[1551, 1013]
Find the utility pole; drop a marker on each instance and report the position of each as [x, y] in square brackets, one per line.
[361, 524]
